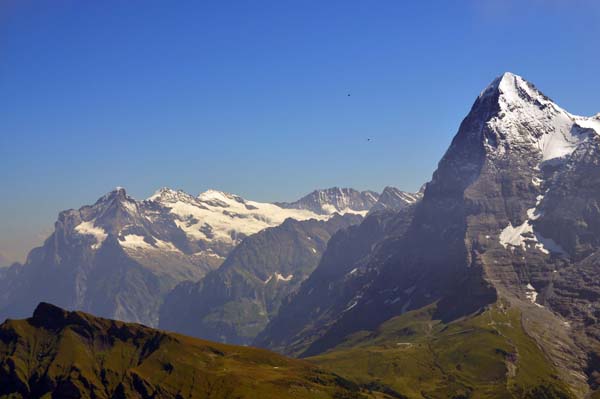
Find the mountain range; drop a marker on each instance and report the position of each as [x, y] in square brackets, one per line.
[120, 257]
[484, 284]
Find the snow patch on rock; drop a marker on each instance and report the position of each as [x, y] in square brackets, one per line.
[524, 235]
[279, 277]
[134, 241]
[531, 294]
[88, 228]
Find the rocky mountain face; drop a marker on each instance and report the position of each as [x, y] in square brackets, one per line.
[510, 216]
[331, 200]
[393, 199]
[62, 354]
[342, 274]
[119, 257]
[235, 302]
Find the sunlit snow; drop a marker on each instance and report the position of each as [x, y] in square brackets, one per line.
[531, 294]
[528, 117]
[523, 235]
[134, 241]
[88, 228]
[215, 215]
[279, 277]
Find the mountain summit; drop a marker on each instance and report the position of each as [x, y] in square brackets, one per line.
[335, 199]
[509, 220]
[517, 114]
[120, 256]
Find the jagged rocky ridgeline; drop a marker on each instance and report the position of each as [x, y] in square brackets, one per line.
[335, 199]
[510, 217]
[119, 257]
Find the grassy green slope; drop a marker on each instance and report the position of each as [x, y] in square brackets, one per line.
[484, 356]
[62, 354]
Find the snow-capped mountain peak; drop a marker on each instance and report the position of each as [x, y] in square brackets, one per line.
[335, 200]
[514, 88]
[211, 194]
[392, 198]
[208, 225]
[153, 244]
[190, 228]
[517, 114]
[118, 194]
[220, 198]
[166, 194]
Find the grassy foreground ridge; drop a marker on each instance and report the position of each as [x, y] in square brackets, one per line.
[60, 354]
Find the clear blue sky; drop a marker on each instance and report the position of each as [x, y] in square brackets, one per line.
[251, 97]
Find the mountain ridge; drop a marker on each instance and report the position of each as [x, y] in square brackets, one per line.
[119, 257]
[482, 233]
[334, 199]
[62, 354]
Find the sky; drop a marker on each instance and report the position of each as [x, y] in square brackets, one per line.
[265, 99]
